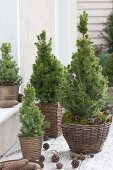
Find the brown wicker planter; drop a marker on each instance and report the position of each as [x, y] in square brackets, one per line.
[31, 147]
[21, 164]
[9, 93]
[53, 114]
[85, 138]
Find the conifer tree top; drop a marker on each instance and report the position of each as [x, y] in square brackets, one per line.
[83, 25]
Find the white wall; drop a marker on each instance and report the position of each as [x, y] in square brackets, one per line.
[35, 16]
[9, 24]
[62, 30]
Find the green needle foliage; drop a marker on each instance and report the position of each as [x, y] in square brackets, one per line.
[84, 89]
[109, 69]
[47, 71]
[31, 118]
[9, 71]
[108, 33]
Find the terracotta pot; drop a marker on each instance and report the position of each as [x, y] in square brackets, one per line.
[31, 147]
[53, 114]
[85, 138]
[9, 92]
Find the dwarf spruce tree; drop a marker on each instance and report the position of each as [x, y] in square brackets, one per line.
[9, 71]
[84, 90]
[31, 118]
[47, 71]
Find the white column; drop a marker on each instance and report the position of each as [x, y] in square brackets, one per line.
[73, 26]
[35, 16]
[9, 25]
[62, 30]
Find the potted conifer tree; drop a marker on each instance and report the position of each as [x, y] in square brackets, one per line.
[46, 78]
[32, 126]
[83, 95]
[9, 75]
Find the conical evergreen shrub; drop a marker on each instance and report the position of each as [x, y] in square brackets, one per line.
[9, 71]
[47, 71]
[31, 118]
[84, 90]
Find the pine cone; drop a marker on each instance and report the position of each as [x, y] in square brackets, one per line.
[98, 121]
[75, 163]
[22, 164]
[45, 138]
[78, 118]
[41, 164]
[81, 157]
[72, 155]
[20, 96]
[91, 155]
[41, 158]
[55, 158]
[90, 120]
[46, 146]
[29, 166]
[59, 165]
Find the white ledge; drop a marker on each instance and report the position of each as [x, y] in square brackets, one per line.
[6, 113]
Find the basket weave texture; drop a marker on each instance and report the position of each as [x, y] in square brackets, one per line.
[31, 147]
[85, 138]
[22, 164]
[8, 103]
[53, 114]
[9, 92]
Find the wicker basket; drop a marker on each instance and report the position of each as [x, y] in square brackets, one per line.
[53, 114]
[31, 147]
[8, 103]
[9, 92]
[85, 138]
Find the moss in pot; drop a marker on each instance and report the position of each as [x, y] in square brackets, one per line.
[9, 75]
[83, 94]
[32, 126]
[46, 78]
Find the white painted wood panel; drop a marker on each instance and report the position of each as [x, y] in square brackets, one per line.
[101, 5]
[95, 27]
[93, 20]
[93, 35]
[91, 1]
[98, 11]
